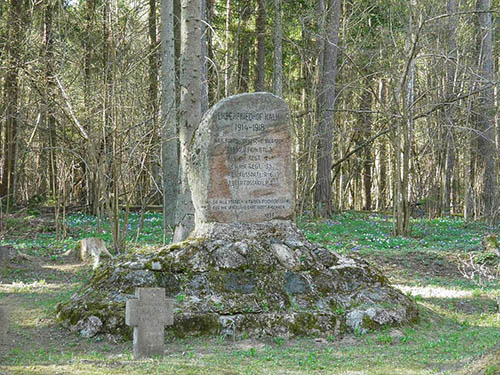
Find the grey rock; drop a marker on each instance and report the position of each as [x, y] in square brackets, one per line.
[156, 266]
[136, 265]
[89, 327]
[354, 320]
[296, 283]
[198, 284]
[241, 247]
[294, 244]
[229, 257]
[139, 277]
[285, 256]
[240, 282]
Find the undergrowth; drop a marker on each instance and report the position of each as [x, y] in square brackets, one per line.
[458, 306]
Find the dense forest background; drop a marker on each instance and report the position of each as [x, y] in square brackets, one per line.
[394, 103]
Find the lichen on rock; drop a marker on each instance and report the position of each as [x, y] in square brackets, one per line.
[252, 279]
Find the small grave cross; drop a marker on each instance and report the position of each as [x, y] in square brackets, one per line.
[149, 313]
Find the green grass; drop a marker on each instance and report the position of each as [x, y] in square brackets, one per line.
[351, 231]
[44, 243]
[458, 323]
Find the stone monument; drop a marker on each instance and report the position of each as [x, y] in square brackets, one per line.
[149, 313]
[247, 269]
[241, 166]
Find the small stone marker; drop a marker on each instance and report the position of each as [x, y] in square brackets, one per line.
[93, 249]
[149, 313]
[241, 167]
[4, 327]
[4, 322]
[6, 254]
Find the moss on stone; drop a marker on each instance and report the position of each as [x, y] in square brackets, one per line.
[258, 291]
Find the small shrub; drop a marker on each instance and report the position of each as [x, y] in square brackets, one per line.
[492, 370]
[384, 338]
[279, 341]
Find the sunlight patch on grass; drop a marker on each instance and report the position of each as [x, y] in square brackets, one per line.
[459, 320]
[40, 287]
[435, 291]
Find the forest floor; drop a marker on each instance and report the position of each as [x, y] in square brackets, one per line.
[442, 266]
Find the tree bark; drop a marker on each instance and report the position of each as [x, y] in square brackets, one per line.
[366, 129]
[190, 109]
[50, 106]
[382, 155]
[244, 41]
[451, 61]
[486, 109]
[260, 27]
[278, 50]
[227, 69]
[152, 146]
[204, 54]
[170, 162]
[403, 138]
[326, 103]
[11, 89]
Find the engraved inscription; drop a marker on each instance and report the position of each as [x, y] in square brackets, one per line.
[250, 177]
[252, 159]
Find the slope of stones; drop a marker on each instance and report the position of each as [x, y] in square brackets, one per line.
[253, 280]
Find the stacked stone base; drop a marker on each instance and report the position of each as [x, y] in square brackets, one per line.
[248, 280]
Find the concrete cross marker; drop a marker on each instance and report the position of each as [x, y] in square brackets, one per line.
[149, 313]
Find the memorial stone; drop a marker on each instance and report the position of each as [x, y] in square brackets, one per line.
[241, 168]
[246, 270]
[149, 313]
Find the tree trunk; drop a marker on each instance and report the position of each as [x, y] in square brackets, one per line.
[152, 146]
[170, 162]
[403, 138]
[227, 39]
[260, 28]
[190, 108]
[204, 54]
[278, 50]
[486, 109]
[326, 103]
[382, 156]
[49, 105]
[11, 89]
[450, 113]
[90, 168]
[244, 41]
[366, 129]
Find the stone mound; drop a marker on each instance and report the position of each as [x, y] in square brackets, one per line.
[255, 280]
